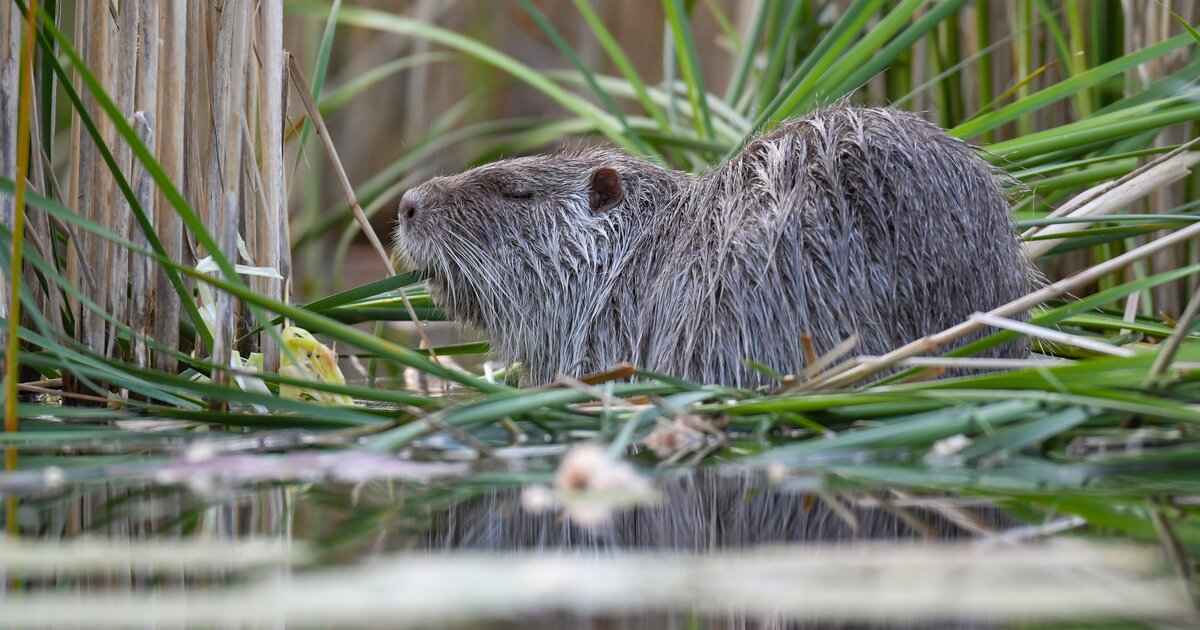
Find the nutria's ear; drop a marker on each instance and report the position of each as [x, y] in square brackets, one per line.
[604, 193]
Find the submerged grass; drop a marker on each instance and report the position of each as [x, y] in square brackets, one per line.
[1087, 436]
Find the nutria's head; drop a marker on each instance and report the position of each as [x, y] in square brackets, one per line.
[530, 237]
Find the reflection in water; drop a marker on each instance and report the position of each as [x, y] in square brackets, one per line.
[443, 525]
[701, 510]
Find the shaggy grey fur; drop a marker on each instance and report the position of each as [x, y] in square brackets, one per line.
[844, 221]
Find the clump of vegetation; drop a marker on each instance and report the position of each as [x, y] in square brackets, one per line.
[147, 246]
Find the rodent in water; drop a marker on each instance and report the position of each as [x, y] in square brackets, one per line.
[845, 221]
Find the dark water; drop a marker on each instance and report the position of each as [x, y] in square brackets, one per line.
[146, 536]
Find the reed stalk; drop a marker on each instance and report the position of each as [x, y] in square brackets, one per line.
[22, 64]
[125, 60]
[172, 106]
[225, 160]
[10, 52]
[273, 236]
[103, 53]
[141, 269]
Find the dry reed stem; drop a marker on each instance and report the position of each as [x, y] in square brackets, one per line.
[73, 195]
[1091, 194]
[10, 53]
[272, 231]
[1120, 195]
[225, 162]
[92, 194]
[45, 181]
[24, 94]
[972, 363]
[127, 53]
[932, 342]
[171, 129]
[318, 121]
[1171, 346]
[47, 301]
[198, 116]
[141, 268]
[1056, 336]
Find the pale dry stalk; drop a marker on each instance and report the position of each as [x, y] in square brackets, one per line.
[272, 230]
[169, 150]
[225, 160]
[10, 55]
[318, 121]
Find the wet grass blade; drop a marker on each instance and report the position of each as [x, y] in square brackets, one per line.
[621, 61]
[745, 58]
[689, 64]
[605, 98]
[379, 20]
[825, 55]
[1067, 87]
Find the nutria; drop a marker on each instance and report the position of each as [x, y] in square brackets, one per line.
[846, 221]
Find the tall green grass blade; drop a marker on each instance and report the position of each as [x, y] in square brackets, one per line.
[588, 76]
[382, 21]
[745, 58]
[1096, 129]
[689, 64]
[868, 56]
[819, 61]
[919, 430]
[361, 292]
[376, 75]
[324, 51]
[780, 45]
[618, 57]
[493, 409]
[1067, 87]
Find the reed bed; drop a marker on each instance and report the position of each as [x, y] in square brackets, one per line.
[170, 185]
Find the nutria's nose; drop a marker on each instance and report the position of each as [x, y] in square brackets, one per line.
[408, 206]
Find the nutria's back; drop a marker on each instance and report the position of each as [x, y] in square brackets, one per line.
[847, 221]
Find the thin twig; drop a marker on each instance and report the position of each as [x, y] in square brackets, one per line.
[917, 523]
[33, 389]
[480, 446]
[975, 363]
[1018, 534]
[594, 392]
[1041, 332]
[840, 509]
[1176, 551]
[1171, 346]
[958, 515]
[314, 114]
